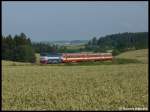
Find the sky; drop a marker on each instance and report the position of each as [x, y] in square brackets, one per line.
[73, 20]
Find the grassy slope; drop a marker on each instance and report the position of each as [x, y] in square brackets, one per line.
[100, 87]
[141, 55]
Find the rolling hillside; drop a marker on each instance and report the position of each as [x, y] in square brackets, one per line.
[141, 55]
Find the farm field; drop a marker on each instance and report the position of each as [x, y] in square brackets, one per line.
[98, 87]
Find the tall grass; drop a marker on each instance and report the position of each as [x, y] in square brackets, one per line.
[98, 87]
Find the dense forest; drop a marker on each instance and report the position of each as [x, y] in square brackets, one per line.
[44, 47]
[17, 48]
[41, 47]
[20, 48]
[118, 42]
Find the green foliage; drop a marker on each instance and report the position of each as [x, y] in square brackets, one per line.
[25, 53]
[115, 52]
[44, 47]
[119, 42]
[40, 47]
[18, 48]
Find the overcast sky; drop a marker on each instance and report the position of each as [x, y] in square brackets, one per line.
[48, 21]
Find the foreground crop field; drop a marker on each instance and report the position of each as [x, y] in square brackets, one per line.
[98, 87]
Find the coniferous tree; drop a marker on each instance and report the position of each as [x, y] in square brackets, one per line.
[17, 49]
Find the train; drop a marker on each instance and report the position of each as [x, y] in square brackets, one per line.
[51, 58]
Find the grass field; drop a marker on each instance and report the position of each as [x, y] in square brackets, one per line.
[141, 55]
[97, 87]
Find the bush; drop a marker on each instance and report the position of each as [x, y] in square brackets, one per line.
[25, 53]
[115, 52]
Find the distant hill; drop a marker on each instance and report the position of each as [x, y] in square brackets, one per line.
[72, 42]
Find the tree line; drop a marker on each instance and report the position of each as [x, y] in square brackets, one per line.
[118, 42]
[20, 48]
[41, 47]
[17, 48]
